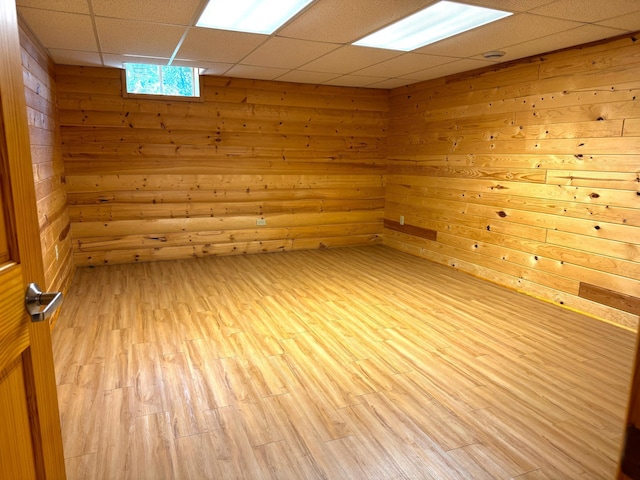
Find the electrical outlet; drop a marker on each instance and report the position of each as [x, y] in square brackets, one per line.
[261, 222]
[57, 254]
[401, 219]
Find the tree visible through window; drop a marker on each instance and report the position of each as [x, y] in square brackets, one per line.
[162, 80]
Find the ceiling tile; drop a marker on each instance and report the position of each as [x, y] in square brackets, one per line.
[137, 38]
[216, 71]
[173, 12]
[404, 64]
[250, 71]
[116, 60]
[509, 5]
[354, 81]
[211, 68]
[69, 31]
[575, 9]
[349, 59]
[218, 45]
[494, 36]
[345, 21]
[301, 76]
[287, 52]
[71, 6]
[75, 57]
[457, 66]
[569, 38]
[629, 22]
[390, 83]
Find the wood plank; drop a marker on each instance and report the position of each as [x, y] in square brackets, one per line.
[98, 197]
[513, 175]
[222, 138]
[631, 127]
[552, 192]
[553, 146]
[411, 229]
[220, 185]
[604, 163]
[232, 123]
[116, 212]
[622, 181]
[96, 244]
[628, 303]
[612, 248]
[169, 225]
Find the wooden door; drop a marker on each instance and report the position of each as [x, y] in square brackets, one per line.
[30, 439]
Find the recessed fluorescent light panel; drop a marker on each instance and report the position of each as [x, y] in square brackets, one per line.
[252, 16]
[437, 22]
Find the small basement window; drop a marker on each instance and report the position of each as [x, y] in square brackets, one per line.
[163, 80]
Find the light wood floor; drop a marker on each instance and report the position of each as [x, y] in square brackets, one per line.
[354, 363]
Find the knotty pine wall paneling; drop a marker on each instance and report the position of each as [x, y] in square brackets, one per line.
[527, 175]
[48, 166]
[164, 179]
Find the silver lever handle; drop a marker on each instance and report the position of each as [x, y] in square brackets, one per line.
[41, 305]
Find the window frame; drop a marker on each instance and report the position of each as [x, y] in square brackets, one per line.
[155, 96]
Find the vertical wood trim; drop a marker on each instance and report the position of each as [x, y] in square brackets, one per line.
[629, 466]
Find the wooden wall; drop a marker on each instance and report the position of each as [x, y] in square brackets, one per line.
[527, 175]
[159, 179]
[48, 167]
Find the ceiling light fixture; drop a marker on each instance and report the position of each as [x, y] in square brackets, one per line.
[437, 22]
[252, 16]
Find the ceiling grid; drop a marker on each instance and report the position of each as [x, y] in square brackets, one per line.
[316, 45]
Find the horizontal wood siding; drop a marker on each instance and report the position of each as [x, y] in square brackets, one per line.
[48, 167]
[529, 174]
[155, 179]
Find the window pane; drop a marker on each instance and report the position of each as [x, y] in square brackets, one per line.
[143, 78]
[177, 81]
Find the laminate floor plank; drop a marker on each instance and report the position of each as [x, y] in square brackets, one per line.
[115, 455]
[81, 412]
[358, 363]
[81, 467]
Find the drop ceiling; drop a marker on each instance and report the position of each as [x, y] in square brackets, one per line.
[315, 46]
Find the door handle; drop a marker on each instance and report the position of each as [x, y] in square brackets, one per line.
[41, 305]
